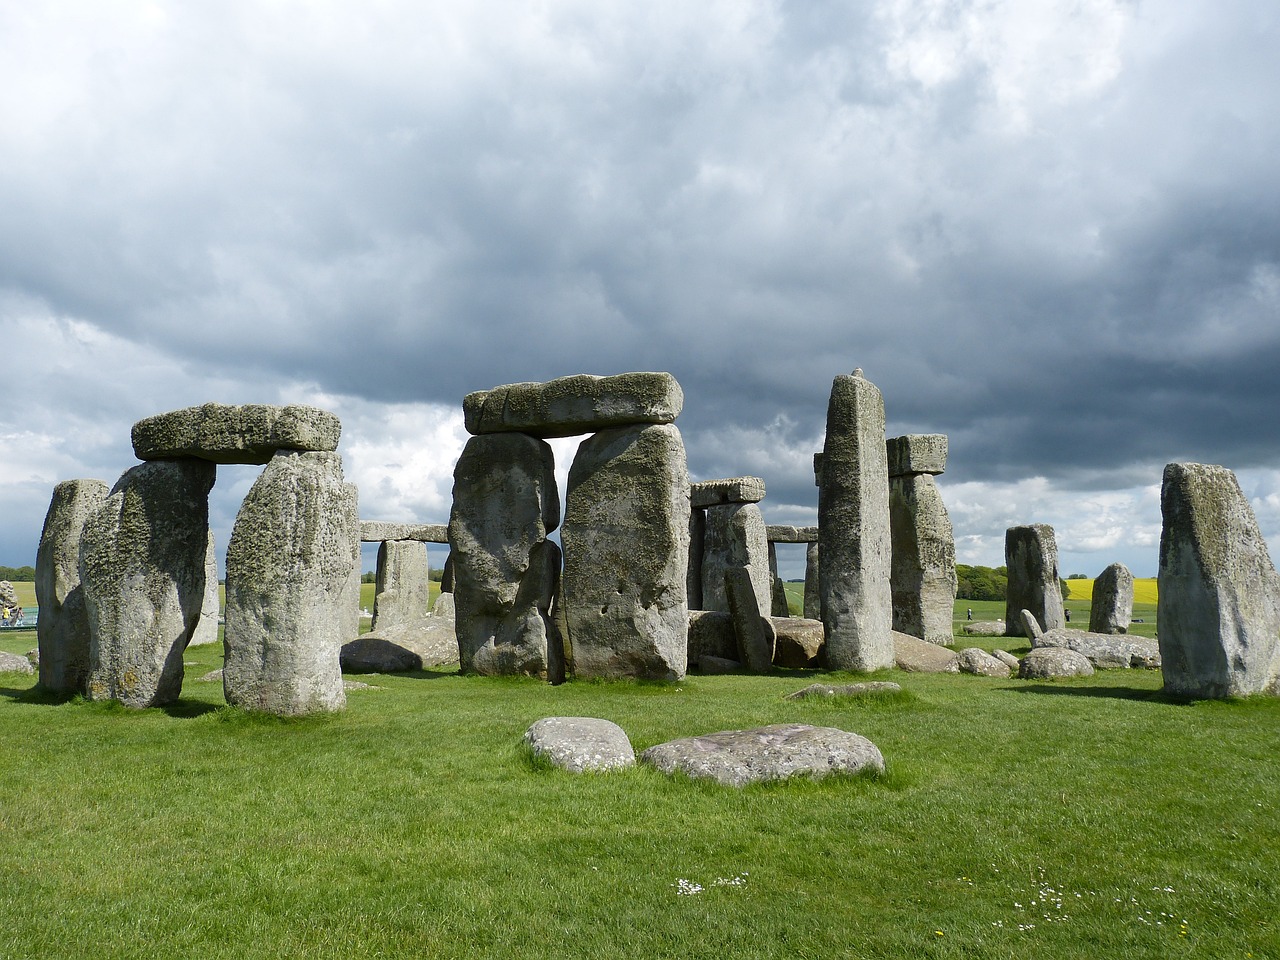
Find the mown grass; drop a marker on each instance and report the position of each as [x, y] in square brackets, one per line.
[1083, 818]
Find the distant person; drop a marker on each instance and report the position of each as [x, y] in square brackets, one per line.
[1067, 614]
[968, 614]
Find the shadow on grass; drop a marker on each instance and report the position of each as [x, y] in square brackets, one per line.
[1115, 693]
[38, 696]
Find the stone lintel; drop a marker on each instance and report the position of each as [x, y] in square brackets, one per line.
[568, 406]
[917, 453]
[380, 531]
[223, 433]
[780, 533]
[711, 493]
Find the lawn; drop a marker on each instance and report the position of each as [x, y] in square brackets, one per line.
[1088, 817]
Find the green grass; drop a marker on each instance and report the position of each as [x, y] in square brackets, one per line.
[1095, 815]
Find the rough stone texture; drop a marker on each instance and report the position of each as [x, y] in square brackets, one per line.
[206, 630]
[1031, 555]
[779, 533]
[579, 744]
[778, 594]
[754, 631]
[735, 758]
[711, 634]
[142, 566]
[979, 662]
[1050, 663]
[291, 561]
[8, 594]
[827, 691]
[812, 589]
[1219, 593]
[853, 529]
[380, 531]
[716, 666]
[918, 656]
[506, 571]
[13, 663]
[412, 645]
[377, 656]
[402, 590]
[711, 493]
[62, 630]
[626, 545]
[923, 579]
[446, 575]
[1007, 658]
[1105, 650]
[569, 406]
[221, 433]
[1112, 605]
[1030, 627]
[734, 537]
[697, 541]
[798, 642]
[984, 628]
[444, 607]
[917, 453]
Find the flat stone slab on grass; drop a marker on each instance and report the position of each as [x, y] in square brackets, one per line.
[1105, 651]
[1051, 663]
[919, 656]
[735, 758]
[579, 744]
[980, 663]
[984, 628]
[568, 406]
[225, 433]
[380, 531]
[711, 493]
[876, 687]
[12, 663]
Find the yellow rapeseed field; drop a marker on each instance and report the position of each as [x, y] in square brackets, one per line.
[1144, 590]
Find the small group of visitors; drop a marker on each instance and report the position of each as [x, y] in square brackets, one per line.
[11, 617]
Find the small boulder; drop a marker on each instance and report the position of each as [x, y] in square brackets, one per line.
[1031, 626]
[984, 628]
[1007, 658]
[826, 690]
[414, 645]
[977, 661]
[578, 744]
[12, 663]
[799, 642]
[919, 656]
[1050, 663]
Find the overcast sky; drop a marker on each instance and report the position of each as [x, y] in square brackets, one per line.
[1047, 228]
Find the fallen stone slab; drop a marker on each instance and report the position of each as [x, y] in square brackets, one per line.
[1104, 650]
[1052, 663]
[798, 642]
[713, 666]
[568, 406]
[1007, 658]
[380, 531]
[401, 647]
[735, 758]
[12, 663]
[984, 628]
[711, 493]
[580, 744]
[779, 533]
[826, 690]
[980, 663]
[213, 676]
[917, 453]
[919, 656]
[225, 433]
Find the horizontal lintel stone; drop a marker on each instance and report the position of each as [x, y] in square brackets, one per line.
[917, 453]
[711, 493]
[568, 406]
[226, 433]
[380, 531]
[780, 533]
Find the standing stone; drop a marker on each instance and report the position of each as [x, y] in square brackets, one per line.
[735, 537]
[924, 559]
[142, 565]
[1219, 593]
[1031, 556]
[697, 541]
[402, 589]
[62, 630]
[293, 556]
[853, 529]
[505, 570]
[755, 634]
[779, 594]
[626, 543]
[206, 631]
[812, 591]
[1112, 605]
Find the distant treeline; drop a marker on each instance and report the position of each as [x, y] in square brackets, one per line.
[989, 583]
[18, 574]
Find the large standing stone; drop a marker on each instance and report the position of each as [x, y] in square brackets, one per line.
[62, 630]
[1112, 606]
[568, 406]
[505, 569]
[1031, 556]
[734, 537]
[291, 561]
[206, 631]
[924, 559]
[812, 589]
[754, 631]
[853, 529]
[697, 540]
[626, 543]
[402, 589]
[1219, 593]
[142, 565]
[250, 433]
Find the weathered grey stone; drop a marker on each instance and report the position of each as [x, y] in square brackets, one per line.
[812, 588]
[579, 744]
[250, 433]
[1030, 627]
[569, 406]
[979, 662]
[213, 676]
[379, 531]
[779, 533]
[142, 566]
[711, 493]
[734, 537]
[1050, 663]
[446, 575]
[711, 634]
[431, 640]
[626, 543]
[827, 691]
[853, 530]
[8, 594]
[735, 758]
[697, 542]
[798, 642]
[62, 630]
[817, 469]
[917, 453]
[1007, 658]
[918, 656]
[402, 590]
[778, 594]
[716, 666]
[923, 580]
[206, 631]
[1104, 650]
[365, 655]
[754, 630]
[984, 628]
[13, 663]
[1112, 605]
[1031, 556]
[444, 607]
[506, 571]
[1219, 593]
[291, 561]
